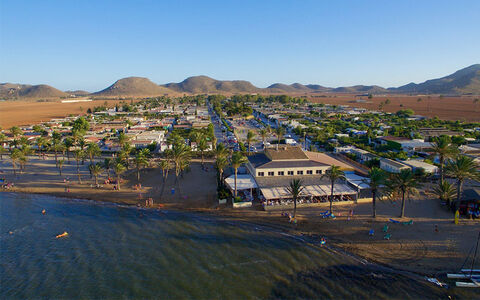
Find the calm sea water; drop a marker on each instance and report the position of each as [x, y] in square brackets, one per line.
[115, 252]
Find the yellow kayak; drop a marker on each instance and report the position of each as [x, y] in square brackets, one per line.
[62, 235]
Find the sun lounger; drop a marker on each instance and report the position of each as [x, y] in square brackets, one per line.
[387, 236]
[385, 228]
[408, 223]
[394, 221]
[371, 232]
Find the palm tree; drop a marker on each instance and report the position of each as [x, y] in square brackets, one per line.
[404, 183]
[26, 151]
[237, 160]
[462, 168]
[16, 132]
[263, 134]
[119, 168]
[444, 149]
[377, 178]
[140, 161]
[181, 156]
[56, 147]
[15, 157]
[333, 174]
[445, 192]
[280, 131]
[202, 145]
[82, 143]
[294, 190]
[79, 154]
[2, 151]
[95, 169]
[165, 165]
[60, 165]
[107, 163]
[250, 139]
[68, 143]
[92, 150]
[220, 164]
[125, 154]
[122, 139]
[41, 143]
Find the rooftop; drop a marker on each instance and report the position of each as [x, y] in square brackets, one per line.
[285, 153]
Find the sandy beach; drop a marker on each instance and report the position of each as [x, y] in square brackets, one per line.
[416, 247]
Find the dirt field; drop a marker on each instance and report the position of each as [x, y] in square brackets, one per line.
[15, 113]
[446, 108]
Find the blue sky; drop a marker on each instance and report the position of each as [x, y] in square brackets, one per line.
[90, 44]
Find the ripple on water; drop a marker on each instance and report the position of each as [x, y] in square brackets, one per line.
[118, 252]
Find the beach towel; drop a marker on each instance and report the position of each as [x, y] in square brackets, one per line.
[394, 221]
[371, 232]
[408, 223]
[385, 228]
[387, 236]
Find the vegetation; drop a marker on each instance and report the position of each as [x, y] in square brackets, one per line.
[295, 189]
[333, 175]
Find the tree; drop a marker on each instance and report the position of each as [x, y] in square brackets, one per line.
[263, 134]
[119, 168]
[122, 139]
[237, 160]
[377, 179]
[41, 144]
[79, 154]
[2, 151]
[95, 170]
[60, 166]
[250, 139]
[68, 144]
[16, 132]
[333, 174]
[141, 160]
[404, 183]
[445, 192]
[15, 157]
[80, 125]
[462, 168]
[165, 165]
[93, 150]
[180, 154]
[280, 131]
[107, 163]
[202, 145]
[295, 189]
[444, 149]
[26, 151]
[56, 147]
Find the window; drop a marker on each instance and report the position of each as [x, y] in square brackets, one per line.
[271, 173]
[281, 173]
[290, 173]
[261, 174]
[299, 172]
[309, 172]
[318, 172]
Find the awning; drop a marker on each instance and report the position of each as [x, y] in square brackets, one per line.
[358, 181]
[244, 182]
[309, 190]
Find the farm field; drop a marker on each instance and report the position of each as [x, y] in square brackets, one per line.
[460, 108]
[16, 113]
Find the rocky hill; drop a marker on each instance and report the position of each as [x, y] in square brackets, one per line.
[133, 86]
[19, 91]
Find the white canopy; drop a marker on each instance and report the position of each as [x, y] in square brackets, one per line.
[244, 182]
[309, 190]
[358, 181]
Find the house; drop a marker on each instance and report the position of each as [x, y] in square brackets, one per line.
[418, 164]
[392, 166]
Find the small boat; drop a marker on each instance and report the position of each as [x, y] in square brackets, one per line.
[64, 234]
[470, 277]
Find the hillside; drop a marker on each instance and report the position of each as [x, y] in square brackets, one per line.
[25, 91]
[205, 84]
[133, 86]
[464, 81]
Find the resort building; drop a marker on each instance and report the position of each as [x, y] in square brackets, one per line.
[392, 166]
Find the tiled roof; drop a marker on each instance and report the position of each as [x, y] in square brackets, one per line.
[285, 153]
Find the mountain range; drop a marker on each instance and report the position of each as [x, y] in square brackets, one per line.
[464, 81]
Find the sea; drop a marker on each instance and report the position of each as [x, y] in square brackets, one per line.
[121, 252]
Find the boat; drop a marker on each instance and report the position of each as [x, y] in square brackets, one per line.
[64, 234]
[470, 278]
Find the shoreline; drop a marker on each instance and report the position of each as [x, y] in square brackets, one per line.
[334, 244]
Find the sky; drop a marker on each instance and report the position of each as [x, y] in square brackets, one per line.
[89, 45]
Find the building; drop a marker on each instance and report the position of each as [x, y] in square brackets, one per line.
[392, 166]
[418, 164]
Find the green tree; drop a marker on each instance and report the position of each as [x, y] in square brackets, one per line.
[119, 169]
[79, 154]
[60, 164]
[95, 170]
[280, 131]
[16, 132]
[141, 160]
[445, 150]
[295, 189]
[93, 150]
[462, 168]
[237, 160]
[250, 139]
[80, 126]
[263, 134]
[107, 164]
[68, 142]
[202, 146]
[377, 178]
[15, 157]
[445, 192]
[333, 175]
[404, 183]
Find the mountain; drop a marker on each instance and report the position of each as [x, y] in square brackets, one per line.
[16, 91]
[78, 93]
[133, 86]
[370, 89]
[464, 81]
[204, 84]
